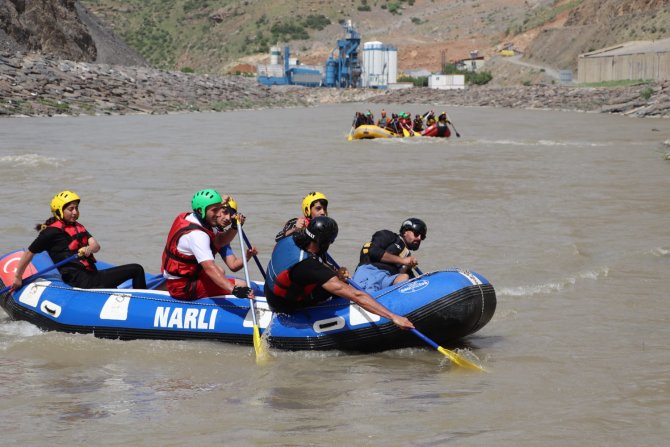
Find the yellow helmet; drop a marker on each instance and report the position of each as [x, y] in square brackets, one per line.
[60, 200]
[310, 199]
[231, 204]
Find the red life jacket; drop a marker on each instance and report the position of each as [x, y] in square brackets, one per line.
[179, 264]
[78, 239]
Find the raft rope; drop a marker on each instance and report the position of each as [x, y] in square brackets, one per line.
[403, 284]
[233, 306]
[134, 296]
[166, 300]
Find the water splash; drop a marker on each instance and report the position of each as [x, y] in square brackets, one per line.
[660, 252]
[544, 143]
[554, 286]
[19, 329]
[30, 160]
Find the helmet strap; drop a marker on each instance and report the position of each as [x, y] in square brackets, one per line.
[201, 220]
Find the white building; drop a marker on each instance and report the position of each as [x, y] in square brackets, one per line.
[446, 82]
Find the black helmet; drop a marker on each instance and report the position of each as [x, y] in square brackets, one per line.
[418, 226]
[322, 230]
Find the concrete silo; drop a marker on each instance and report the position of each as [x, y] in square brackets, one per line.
[380, 65]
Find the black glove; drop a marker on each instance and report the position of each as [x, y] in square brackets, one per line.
[241, 292]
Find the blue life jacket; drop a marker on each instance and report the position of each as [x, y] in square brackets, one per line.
[285, 255]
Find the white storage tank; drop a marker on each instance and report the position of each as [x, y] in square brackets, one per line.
[392, 53]
[380, 64]
[373, 63]
[275, 53]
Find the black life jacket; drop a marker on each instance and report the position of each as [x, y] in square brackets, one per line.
[397, 247]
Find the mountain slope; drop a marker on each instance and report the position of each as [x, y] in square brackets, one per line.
[594, 24]
[214, 35]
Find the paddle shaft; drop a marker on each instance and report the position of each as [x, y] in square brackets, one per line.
[258, 263]
[353, 126]
[42, 272]
[426, 339]
[246, 273]
[453, 127]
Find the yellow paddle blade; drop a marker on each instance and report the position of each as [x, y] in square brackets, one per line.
[262, 355]
[405, 132]
[460, 361]
[350, 137]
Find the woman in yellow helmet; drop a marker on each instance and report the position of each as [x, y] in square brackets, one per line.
[62, 236]
[314, 204]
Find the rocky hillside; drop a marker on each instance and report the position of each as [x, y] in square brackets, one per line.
[216, 35]
[61, 29]
[46, 26]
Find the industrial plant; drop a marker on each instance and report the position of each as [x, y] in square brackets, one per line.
[377, 68]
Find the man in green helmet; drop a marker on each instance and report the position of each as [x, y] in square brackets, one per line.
[193, 241]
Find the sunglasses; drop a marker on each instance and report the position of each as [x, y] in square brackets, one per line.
[417, 234]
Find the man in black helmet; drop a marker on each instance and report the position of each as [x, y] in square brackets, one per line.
[387, 259]
[298, 276]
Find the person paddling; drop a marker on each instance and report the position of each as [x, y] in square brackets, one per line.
[299, 277]
[230, 215]
[62, 236]
[387, 259]
[188, 258]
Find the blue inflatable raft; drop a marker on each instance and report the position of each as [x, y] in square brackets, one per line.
[444, 305]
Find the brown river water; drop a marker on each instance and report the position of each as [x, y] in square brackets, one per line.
[567, 214]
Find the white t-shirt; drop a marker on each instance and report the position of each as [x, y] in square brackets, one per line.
[194, 243]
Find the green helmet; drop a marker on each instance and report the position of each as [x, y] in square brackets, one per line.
[204, 198]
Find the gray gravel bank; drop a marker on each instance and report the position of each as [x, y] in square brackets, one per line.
[34, 85]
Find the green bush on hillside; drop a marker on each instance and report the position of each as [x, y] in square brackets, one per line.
[394, 8]
[317, 22]
[478, 77]
[192, 5]
[420, 81]
[288, 31]
[156, 45]
[262, 21]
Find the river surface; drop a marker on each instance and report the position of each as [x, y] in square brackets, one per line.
[567, 214]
